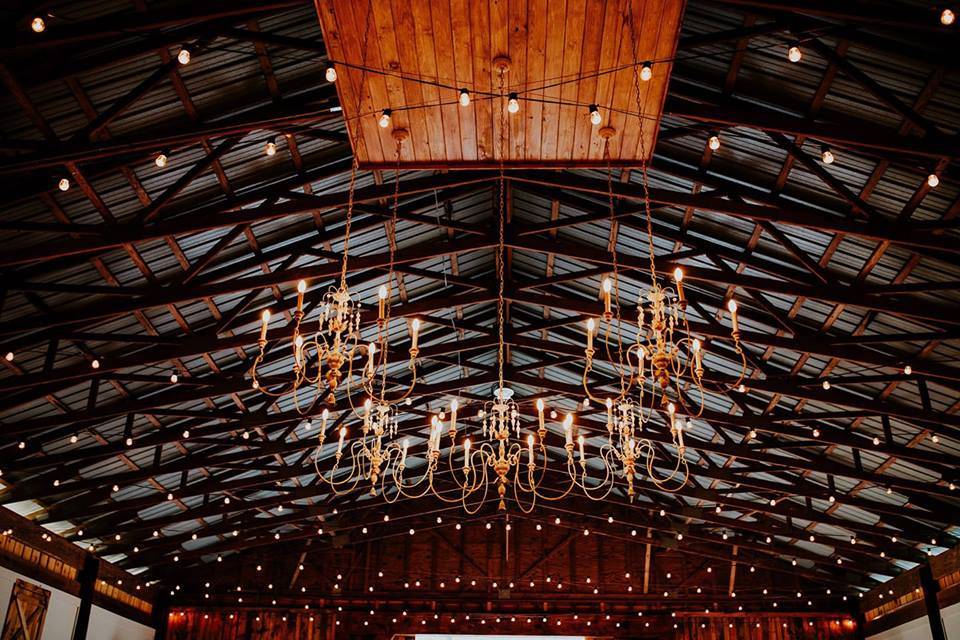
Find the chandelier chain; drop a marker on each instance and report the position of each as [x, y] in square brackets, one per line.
[614, 233]
[501, 244]
[645, 178]
[357, 140]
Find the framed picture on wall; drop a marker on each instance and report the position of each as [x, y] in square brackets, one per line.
[27, 611]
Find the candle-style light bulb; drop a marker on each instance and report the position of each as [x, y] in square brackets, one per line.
[371, 351]
[301, 289]
[454, 405]
[466, 453]
[591, 324]
[382, 302]
[530, 448]
[540, 411]
[414, 333]
[265, 316]
[607, 287]
[678, 277]
[732, 307]
[568, 428]
[343, 434]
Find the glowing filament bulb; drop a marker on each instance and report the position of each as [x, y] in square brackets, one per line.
[184, 56]
[530, 448]
[595, 117]
[270, 148]
[384, 120]
[64, 184]
[343, 435]
[466, 453]
[933, 180]
[713, 142]
[161, 160]
[646, 71]
[38, 25]
[513, 104]
[827, 156]
[330, 74]
[464, 98]
[947, 17]
[794, 54]
[591, 325]
[568, 428]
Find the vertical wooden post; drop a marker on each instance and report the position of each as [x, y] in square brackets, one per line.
[161, 615]
[930, 588]
[88, 582]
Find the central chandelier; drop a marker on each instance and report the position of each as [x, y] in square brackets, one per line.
[659, 376]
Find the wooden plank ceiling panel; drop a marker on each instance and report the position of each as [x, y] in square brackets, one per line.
[413, 57]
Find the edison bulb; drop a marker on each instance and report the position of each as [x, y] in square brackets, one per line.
[714, 142]
[184, 56]
[464, 98]
[933, 180]
[595, 117]
[270, 148]
[646, 71]
[947, 17]
[513, 104]
[161, 160]
[827, 156]
[384, 120]
[330, 74]
[794, 54]
[64, 184]
[38, 25]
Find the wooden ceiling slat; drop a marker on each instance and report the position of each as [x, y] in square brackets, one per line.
[555, 50]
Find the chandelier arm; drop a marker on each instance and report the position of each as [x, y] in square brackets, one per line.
[353, 477]
[517, 487]
[661, 483]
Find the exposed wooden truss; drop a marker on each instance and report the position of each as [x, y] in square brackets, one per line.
[149, 276]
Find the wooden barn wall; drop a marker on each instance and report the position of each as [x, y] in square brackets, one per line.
[195, 624]
[214, 624]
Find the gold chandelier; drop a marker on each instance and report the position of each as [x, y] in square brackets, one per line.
[659, 373]
[663, 369]
[378, 415]
[318, 357]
